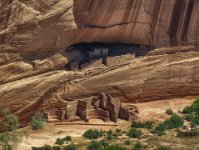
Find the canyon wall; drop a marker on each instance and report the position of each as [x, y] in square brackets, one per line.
[35, 34]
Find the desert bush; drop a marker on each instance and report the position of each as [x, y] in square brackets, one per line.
[161, 127]
[148, 124]
[137, 146]
[163, 148]
[37, 121]
[195, 106]
[45, 147]
[134, 133]
[115, 147]
[92, 134]
[137, 124]
[95, 145]
[110, 131]
[56, 148]
[174, 122]
[118, 132]
[193, 119]
[68, 138]
[109, 137]
[189, 117]
[169, 111]
[127, 142]
[60, 141]
[187, 110]
[70, 147]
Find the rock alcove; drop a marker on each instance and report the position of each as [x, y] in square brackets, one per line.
[88, 55]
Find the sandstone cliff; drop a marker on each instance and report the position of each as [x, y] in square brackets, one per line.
[35, 34]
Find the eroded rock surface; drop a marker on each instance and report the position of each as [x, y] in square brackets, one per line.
[35, 34]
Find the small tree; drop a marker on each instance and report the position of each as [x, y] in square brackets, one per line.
[10, 137]
[37, 121]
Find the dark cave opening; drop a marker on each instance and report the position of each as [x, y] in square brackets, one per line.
[102, 53]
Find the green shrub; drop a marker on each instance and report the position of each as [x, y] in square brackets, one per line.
[60, 141]
[136, 124]
[110, 132]
[68, 138]
[174, 122]
[163, 148]
[104, 143]
[56, 148]
[169, 111]
[137, 146]
[70, 147]
[109, 137]
[193, 119]
[45, 147]
[115, 147]
[161, 127]
[118, 132]
[37, 121]
[195, 106]
[134, 133]
[187, 110]
[127, 142]
[92, 134]
[95, 145]
[148, 124]
[189, 117]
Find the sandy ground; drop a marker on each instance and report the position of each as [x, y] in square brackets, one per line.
[147, 111]
[155, 110]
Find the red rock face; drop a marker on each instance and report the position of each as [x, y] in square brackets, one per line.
[40, 25]
[35, 34]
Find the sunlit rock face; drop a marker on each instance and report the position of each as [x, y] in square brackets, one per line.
[34, 35]
[51, 25]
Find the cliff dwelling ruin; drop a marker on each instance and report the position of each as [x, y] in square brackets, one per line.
[102, 106]
[88, 55]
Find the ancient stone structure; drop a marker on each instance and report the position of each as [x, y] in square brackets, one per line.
[90, 55]
[103, 106]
